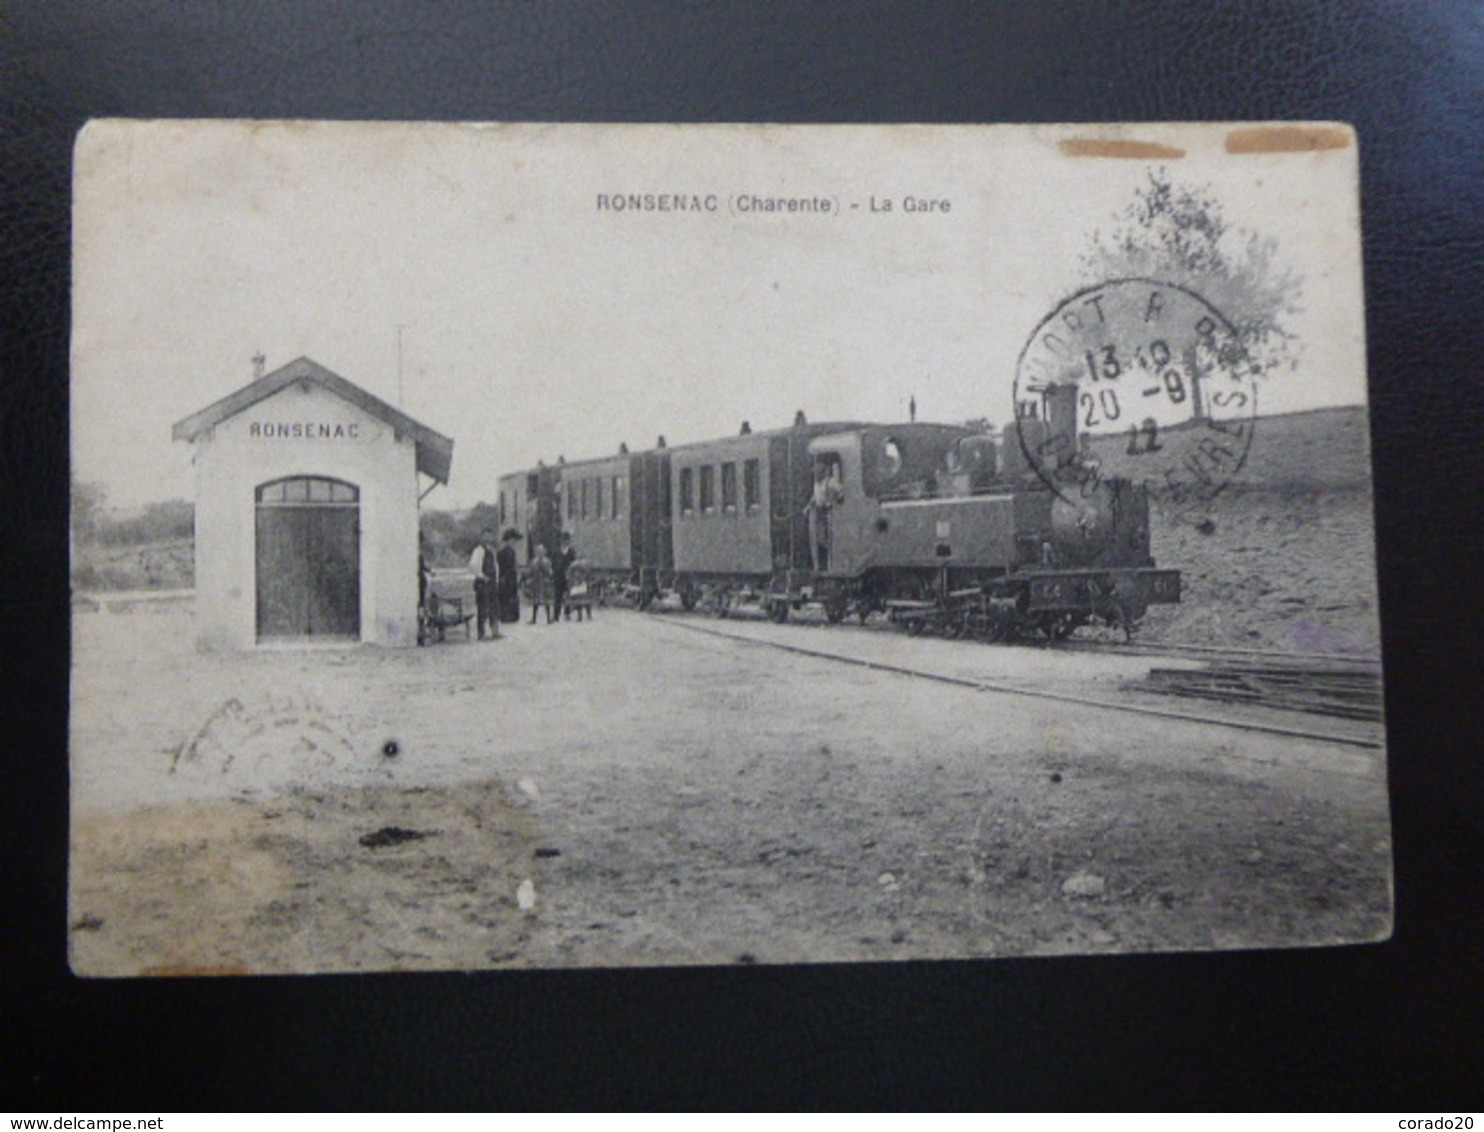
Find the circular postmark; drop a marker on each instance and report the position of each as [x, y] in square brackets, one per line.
[1136, 379]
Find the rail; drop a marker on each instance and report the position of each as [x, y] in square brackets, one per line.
[998, 687]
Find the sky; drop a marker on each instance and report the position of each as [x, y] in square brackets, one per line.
[481, 277]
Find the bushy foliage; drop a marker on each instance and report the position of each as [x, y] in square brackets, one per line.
[448, 537]
[158, 522]
[93, 524]
[1179, 234]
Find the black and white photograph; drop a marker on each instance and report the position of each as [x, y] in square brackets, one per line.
[551, 546]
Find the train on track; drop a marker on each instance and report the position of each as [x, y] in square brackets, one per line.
[943, 528]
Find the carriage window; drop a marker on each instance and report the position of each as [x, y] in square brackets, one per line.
[617, 495]
[583, 511]
[750, 486]
[729, 487]
[687, 491]
[891, 459]
[708, 487]
[570, 491]
[598, 497]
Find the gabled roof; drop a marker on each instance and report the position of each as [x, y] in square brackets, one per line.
[434, 450]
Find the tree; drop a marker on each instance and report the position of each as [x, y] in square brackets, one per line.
[1179, 234]
[448, 538]
[88, 501]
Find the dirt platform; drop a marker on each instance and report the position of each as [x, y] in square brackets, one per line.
[627, 792]
[332, 880]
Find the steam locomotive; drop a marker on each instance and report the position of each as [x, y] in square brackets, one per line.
[944, 528]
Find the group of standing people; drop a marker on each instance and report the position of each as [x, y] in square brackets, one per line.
[550, 579]
[497, 581]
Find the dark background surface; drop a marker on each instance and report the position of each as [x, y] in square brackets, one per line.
[1387, 1026]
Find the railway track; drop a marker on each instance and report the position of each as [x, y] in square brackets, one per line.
[1112, 648]
[1002, 688]
[1339, 685]
[1228, 652]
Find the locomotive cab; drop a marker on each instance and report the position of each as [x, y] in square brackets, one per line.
[866, 479]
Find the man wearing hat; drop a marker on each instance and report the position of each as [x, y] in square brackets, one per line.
[507, 587]
[560, 565]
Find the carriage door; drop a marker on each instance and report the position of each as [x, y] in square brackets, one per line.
[309, 559]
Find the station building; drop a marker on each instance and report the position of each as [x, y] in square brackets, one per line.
[307, 492]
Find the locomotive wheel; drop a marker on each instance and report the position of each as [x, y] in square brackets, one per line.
[989, 628]
[1118, 618]
[991, 621]
[1059, 626]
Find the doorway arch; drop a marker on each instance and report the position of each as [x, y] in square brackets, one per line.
[308, 558]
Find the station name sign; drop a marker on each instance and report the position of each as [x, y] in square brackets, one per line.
[304, 430]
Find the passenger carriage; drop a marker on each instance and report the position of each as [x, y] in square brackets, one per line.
[740, 513]
[616, 509]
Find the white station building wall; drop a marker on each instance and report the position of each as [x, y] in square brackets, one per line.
[344, 443]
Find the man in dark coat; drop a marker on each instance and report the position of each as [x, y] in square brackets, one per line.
[507, 588]
[562, 563]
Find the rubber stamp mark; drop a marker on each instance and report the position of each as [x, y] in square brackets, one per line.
[1139, 378]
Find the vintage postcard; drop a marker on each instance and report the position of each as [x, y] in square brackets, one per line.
[606, 545]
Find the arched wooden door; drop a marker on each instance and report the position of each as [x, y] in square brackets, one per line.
[309, 558]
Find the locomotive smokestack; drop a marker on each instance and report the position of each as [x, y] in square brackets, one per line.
[1061, 419]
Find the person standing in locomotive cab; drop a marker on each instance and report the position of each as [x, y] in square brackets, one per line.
[486, 575]
[829, 492]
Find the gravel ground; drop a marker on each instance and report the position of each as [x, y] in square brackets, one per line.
[627, 791]
[1285, 556]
